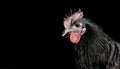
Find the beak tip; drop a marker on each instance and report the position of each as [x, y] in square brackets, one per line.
[62, 35]
[65, 32]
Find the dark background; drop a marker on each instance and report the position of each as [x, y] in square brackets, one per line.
[31, 31]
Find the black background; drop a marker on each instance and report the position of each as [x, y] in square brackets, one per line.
[31, 31]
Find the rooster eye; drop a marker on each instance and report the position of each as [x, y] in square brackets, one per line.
[77, 25]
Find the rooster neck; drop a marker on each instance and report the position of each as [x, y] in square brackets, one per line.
[89, 48]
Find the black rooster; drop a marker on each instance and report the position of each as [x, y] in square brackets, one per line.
[93, 48]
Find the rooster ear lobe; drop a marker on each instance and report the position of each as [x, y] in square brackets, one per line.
[83, 31]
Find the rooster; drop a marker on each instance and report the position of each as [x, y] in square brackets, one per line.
[93, 48]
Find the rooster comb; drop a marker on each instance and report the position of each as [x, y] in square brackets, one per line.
[72, 16]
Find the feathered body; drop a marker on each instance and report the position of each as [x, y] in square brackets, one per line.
[95, 49]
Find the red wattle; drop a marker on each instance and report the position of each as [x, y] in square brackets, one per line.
[75, 37]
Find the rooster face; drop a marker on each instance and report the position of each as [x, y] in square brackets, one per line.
[74, 27]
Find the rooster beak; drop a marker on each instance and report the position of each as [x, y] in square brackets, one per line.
[65, 32]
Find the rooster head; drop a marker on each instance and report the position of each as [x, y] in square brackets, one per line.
[74, 27]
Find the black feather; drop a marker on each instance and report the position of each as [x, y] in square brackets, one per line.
[96, 50]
